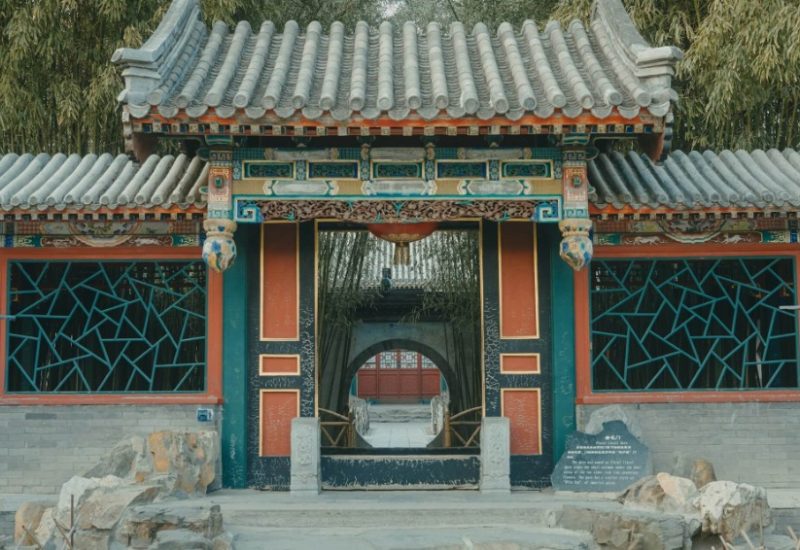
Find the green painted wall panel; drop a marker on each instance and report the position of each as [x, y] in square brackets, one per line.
[563, 345]
[234, 363]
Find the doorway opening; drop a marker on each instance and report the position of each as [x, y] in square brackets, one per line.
[399, 346]
[406, 397]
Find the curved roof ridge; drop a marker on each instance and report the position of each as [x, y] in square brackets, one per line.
[507, 71]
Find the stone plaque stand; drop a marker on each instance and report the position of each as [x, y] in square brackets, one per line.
[305, 460]
[495, 455]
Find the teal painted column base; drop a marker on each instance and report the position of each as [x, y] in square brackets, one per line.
[234, 363]
[563, 300]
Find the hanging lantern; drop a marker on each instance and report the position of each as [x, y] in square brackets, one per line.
[402, 235]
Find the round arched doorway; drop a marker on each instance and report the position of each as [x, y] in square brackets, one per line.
[405, 395]
[398, 376]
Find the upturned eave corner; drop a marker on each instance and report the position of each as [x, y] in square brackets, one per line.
[171, 75]
[653, 66]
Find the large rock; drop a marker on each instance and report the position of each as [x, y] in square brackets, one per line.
[180, 539]
[699, 470]
[184, 463]
[627, 529]
[140, 525]
[662, 492]
[94, 505]
[223, 542]
[727, 509]
[102, 509]
[29, 515]
[46, 533]
[77, 490]
[609, 413]
[119, 460]
[134, 472]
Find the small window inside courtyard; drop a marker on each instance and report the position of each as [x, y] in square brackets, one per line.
[693, 324]
[92, 326]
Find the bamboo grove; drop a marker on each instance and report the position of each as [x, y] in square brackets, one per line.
[739, 83]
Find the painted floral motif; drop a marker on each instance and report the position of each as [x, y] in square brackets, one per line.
[219, 250]
[576, 245]
[399, 211]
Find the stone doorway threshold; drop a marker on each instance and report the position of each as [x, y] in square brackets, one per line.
[416, 520]
[337, 520]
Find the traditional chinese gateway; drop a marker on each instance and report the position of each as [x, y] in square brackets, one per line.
[144, 292]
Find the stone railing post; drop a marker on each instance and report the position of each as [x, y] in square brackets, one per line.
[305, 456]
[495, 455]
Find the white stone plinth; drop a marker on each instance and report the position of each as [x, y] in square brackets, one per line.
[495, 455]
[305, 460]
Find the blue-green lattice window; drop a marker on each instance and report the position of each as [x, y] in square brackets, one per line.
[117, 326]
[693, 324]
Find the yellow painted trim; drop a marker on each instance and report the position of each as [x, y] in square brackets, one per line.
[531, 355]
[535, 335]
[253, 186]
[538, 416]
[261, 413]
[540, 186]
[262, 372]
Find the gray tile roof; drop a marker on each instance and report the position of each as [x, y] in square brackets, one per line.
[603, 68]
[74, 182]
[684, 181]
[698, 180]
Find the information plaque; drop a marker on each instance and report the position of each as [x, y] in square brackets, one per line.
[602, 463]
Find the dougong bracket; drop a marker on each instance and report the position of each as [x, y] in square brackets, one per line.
[576, 245]
[219, 249]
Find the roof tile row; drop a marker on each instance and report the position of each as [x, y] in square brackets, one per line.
[684, 181]
[604, 68]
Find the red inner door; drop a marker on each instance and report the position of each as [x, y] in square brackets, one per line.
[398, 375]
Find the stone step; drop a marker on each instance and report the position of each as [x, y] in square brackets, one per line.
[399, 413]
[412, 538]
[377, 517]
[388, 508]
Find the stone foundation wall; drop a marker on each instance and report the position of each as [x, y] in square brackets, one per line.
[43, 446]
[757, 443]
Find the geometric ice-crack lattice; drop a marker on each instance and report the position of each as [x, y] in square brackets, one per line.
[693, 324]
[91, 326]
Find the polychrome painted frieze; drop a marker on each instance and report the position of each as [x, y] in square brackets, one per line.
[102, 234]
[763, 230]
[402, 173]
[257, 210]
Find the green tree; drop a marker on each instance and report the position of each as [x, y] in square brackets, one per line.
[58, 88]
[739, 80]
[739, 84]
